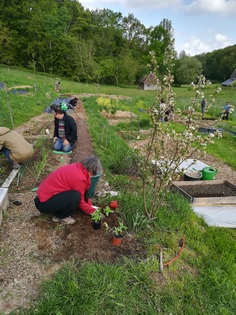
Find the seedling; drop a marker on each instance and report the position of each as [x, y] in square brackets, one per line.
[108, 211]
[116, 230]
[97, 215]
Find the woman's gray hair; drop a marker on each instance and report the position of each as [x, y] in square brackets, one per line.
[92, 164]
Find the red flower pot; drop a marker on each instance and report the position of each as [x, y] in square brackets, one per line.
[117, 240]
[113, 204]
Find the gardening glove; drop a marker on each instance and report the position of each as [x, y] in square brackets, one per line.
[95, 207]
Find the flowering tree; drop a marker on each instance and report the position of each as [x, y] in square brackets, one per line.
[166, 148]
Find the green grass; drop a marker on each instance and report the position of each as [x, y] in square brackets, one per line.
[219, 150]
[201, 281]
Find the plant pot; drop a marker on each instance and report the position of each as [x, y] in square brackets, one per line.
[113, 204]
[192, 175]
[97, 225]
[208, 173]
[117, 240]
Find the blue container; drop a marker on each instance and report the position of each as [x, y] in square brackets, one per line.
[94, 182]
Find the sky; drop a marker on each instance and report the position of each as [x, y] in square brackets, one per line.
[200, 26]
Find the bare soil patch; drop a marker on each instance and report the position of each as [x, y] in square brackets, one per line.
[212, 190]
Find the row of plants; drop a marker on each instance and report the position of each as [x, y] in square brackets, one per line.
[116, 231]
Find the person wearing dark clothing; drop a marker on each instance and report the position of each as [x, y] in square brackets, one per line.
[171, 112]
[65, 131]
[203, 105]
[225, 114]
[73, 103]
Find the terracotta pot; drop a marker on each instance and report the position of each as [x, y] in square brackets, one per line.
[117, 240]
[97, 225]
[113, 204]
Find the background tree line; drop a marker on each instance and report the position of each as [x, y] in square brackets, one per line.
[60, 37]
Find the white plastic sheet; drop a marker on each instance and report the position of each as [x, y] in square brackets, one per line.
[214, 215]
[192, 164]
[188, 164]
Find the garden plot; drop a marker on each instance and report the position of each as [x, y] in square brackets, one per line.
[214, 200]
[34, 246]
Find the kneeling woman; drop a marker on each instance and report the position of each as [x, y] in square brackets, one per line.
[65, 190]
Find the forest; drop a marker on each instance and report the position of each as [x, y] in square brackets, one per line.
[62, 38]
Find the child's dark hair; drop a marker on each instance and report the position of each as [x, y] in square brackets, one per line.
[56, 108]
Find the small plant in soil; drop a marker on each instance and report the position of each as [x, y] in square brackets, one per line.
[107, 211]
[116, 231]
[97, 219]
[97, 215]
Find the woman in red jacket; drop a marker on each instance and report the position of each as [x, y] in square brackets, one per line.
[65, 190]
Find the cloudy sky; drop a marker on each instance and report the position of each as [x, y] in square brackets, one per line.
[199, 25]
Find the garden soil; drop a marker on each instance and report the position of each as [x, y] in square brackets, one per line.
[32, 247]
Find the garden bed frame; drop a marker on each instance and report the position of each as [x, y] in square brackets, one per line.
[213, 188]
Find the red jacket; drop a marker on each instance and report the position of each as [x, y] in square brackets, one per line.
[69, 177]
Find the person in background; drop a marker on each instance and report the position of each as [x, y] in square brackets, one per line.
[65, 190]
[203, 105]
[225, 114]
[163, 109]
[57, 86]
[171, 112]
[15, 147]
[65, 130]
[73, 103]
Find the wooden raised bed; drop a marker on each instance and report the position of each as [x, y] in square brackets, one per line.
[206, 191]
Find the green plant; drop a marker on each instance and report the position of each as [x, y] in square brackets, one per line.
[97, 215]
[107, 211]
[116, 230]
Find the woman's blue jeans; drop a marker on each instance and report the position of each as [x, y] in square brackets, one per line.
[58, 146]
